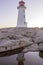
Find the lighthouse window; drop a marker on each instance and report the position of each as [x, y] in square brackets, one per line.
[24, 22]
[24, 16]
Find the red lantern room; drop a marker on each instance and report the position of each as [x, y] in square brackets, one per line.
[21, 3]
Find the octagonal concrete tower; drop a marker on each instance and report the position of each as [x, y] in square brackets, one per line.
[21, 14]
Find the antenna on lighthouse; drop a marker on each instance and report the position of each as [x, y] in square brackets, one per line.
[21, 14]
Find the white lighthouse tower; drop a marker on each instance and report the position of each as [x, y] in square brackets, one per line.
[21, 15]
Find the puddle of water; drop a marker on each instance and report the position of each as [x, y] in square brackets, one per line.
[31, 58]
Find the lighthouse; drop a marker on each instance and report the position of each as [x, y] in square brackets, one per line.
[21, 22]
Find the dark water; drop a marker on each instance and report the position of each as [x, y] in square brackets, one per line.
[31, 58]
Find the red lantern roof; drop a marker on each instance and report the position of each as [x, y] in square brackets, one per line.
[21, 3]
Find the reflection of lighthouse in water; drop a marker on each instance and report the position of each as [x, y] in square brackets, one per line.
[21, 15]
[20, 58]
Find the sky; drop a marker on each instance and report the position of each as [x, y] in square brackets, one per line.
[9, 13]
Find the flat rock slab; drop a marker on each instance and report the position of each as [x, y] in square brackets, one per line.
[14, 38]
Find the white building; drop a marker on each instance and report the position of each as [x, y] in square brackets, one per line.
[21, 15]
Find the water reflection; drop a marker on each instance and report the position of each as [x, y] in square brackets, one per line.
[30, 58]
[21, 63]
[20, 59]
